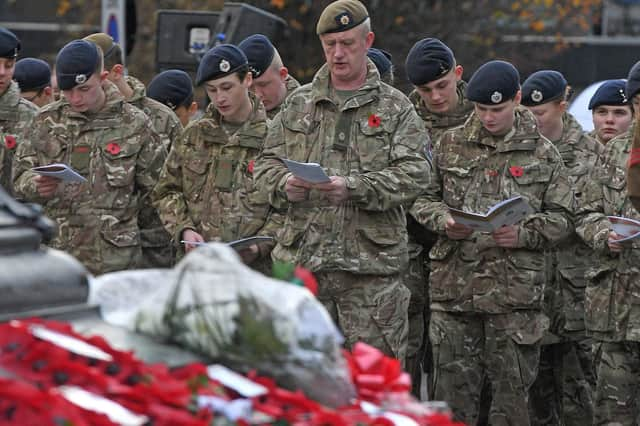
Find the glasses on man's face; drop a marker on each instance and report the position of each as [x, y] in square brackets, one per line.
[31, 98]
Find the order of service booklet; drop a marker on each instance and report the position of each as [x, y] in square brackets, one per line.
[505, 213]
[626, 227]
[237, 244]
[310, 172]
[60, 171]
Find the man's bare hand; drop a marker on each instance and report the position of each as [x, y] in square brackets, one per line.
[193, 236]
[613, 245]
[297, 189]
[336, 190]
[507, 236]
[457, 231]
[46, 185]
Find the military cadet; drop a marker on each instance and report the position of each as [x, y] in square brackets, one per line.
[611, 304]
[486, 288]
[611, 111]
[272, 82]
[633, 169]
[351, 231]
[206, 191]
[157, 250]
[438, 93]
[107, 141]
[562, 392]
[15, 113]
[382, 60]
[174, 89]
[34, 79]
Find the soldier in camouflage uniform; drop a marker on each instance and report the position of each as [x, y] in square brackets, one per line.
[272, 82]
[439, 99]
[111, 144]
[611, 111]
[33, 76]
[486, 288]
[633, 169]
[351, 232]
[174, 89]
[157, 249]
[206, 190]
[611, 306]
[382, 60]
[562, 392]
[15, 113]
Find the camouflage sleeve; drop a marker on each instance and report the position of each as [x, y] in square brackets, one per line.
[633, 169]
[168, 195]
[407, 175]
[150, 161]
[270, 174]
[554, 223]
[24, 160]
[592, 224]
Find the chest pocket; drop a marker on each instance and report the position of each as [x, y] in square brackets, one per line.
[54, 150]
[373, 143]
[531, 182]
[456, 182]
[194, 174]
[119, 159]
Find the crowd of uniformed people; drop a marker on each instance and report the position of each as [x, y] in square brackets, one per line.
[534, 323]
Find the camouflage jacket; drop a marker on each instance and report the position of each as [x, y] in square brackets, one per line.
[207, 182]
[633, 169]
[118, 152]
[156, 241]
[15, 117]
[472, 172]
[612, 305]
[437, 124]
[573, 257]
[292, 84]
[376, 141]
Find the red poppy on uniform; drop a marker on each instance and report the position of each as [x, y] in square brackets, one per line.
[10, 141]
[113, 148]
[250, 166]
[374, 121]
[516, 171]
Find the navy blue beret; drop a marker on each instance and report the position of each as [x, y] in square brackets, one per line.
[75, 63]
[172, 88]
[633, 81]
[259, 52]
[542, 87]
[32, 74]
[428, 60]
[9, 44]
[381, 59]
[493, 83]
[611, 92]
[219, 61]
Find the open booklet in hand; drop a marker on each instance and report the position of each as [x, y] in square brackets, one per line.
[310, 172]
[625, 227]
[505, 213]
[237, 245]
[60, 171]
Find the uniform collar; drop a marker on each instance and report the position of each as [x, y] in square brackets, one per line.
[139, 90]
[322, 90]
[258, 114]
[11, 97]
[523, 136]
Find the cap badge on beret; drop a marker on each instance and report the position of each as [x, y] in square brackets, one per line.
[343, 19]
[623, 95]
[225, 66]
[496, 97]
[536, 96]
[81, 78]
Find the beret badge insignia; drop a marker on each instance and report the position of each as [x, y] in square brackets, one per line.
[225, 66]
[81, 78]
[536, 96]
[496, 97]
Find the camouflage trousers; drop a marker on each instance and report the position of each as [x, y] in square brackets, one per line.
[562, 392]
[471, 349]
[368, 308]
[617, 396]
[415, 279]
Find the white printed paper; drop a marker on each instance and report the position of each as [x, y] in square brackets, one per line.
[625, 227]
[505, 213]
[310, 172]
[60, 171]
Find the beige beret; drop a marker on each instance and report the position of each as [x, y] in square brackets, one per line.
[341, 15]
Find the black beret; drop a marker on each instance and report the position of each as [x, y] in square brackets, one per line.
[493, 83]
[633, 81]
[259, 52]
[542, 87]
[428, 60]
[611, 92]
[32, 74]
[219, 61]
[75, 63]
[172, 88]
[381, 59]
[341, 15]
[9, 44]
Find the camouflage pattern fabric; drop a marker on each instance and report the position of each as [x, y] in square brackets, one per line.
[118, 152]
[157, 248]
[470, 349]
[437, 124]
[383, 322]
[207, 182]
[291, 84]
[15, 117]
[376, 141]
[633, 170]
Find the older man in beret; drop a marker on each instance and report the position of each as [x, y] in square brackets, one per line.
[486, 287]
[157, 249]
[272, 82]
[349, 230]
[15, 113]
[33, 76]
[109, 143]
